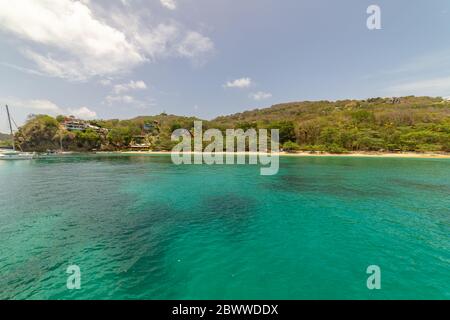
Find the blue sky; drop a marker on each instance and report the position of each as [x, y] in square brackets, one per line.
[124, 58]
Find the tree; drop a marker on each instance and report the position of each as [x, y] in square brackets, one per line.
[287, 130]
[363, 116]
[120, 136]
[291, 147]
[330, 136]
[334, 148]
[38, 134]
[60, 118]
[87, 140]
[247, 125]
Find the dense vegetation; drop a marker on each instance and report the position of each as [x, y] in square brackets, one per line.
[42, 133]
[5, 140]
[381, 124]
[418, 124]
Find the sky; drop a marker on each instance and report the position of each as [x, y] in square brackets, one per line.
[103, 59]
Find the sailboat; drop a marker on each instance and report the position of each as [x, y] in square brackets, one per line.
[14, 154]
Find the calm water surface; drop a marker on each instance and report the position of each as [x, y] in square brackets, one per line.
[140, 227]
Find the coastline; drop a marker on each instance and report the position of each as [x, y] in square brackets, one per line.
[360, 154]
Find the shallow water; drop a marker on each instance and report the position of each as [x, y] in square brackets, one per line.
[140, 227]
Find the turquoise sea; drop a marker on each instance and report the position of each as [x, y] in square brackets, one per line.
[140, 227]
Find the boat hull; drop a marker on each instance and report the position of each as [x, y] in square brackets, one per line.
[23, 156]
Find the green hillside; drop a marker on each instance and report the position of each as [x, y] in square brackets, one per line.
[5, 140]
[389, 124]
[419, 124]
[42, 133]
[4, 136]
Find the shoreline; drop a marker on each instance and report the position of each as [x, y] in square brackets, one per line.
[360, 154]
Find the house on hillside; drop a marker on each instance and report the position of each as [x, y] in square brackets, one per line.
[73, 124]
[151, 127]
[140, 143]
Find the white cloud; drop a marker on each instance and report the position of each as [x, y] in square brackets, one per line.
[258, 96]
[432, 87]
[83, 113]
[68, 69]
[132, 85]
[419, 75]
[194, 44]
[432, 62]
[157, 42]
[170, 40]
[169, 4]
[105, 82]
[119, 99]
[45, 106]
[78, 40]
[130, 101]
[81, 45]
[239, 83]
[38, 105]
[20, 109]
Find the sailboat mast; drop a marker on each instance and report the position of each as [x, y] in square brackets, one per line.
[10, 127]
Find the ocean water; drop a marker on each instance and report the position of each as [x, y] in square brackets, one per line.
[141, 228]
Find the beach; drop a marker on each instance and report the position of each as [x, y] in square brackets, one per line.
[415, 155]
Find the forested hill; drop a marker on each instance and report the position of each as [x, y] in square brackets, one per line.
[5, 140]
[420, 124]
[389, 124]
[4, 137]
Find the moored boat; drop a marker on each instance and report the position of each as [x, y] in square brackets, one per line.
[16, 155]
[13, 154]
